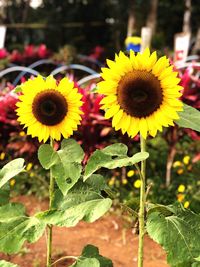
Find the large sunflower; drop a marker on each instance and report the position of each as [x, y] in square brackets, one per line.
[48, 109]
[141, 93]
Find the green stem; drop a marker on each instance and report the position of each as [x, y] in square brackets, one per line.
[142, 206]
[50, 227]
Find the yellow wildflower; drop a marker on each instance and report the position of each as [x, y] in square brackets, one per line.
[130, 173]
[186, 160]
[29, 166]
[180, 171]
[186, 204]
[177, 164]
[181, 188]
[22, 133]
[12, 182]
[137, 183]
[124, 181]
[32, 174]
[180, 197]
[111, 182]
[2, 156]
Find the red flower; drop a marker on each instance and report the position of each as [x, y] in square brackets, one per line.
[42, 51]
[16, 56]
[3, 53]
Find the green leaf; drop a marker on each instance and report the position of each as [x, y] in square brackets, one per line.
[98, 182]
[10, 170]
[4, 194]
[66, 174]
[71, 150]
[83, 202]
[16, 228]
[91, 258]
[17, 89]
[189, 118]
[7, 264]
[47, 156]
[112, 157]
[165, 210]
[178, 234]
[65, 163]
[86, 262]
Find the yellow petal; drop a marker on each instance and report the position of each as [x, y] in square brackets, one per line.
[126, 123]
[152, 60]
[125, 62]
[143, 59]
[50, 82]
[117, 117]
[108, 74]
[166, 72]
[169, 82]
[110, 63]
[112, 111]
[133, 60]
[107, 87]
[109, 99]
[65, 86]
[134, 127]
[160, 65]
[169, 112]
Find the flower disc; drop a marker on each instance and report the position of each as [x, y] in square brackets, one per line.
[141, 93]
[48, 109]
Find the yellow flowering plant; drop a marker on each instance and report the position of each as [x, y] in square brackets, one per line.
[142, 96]
[50, 111]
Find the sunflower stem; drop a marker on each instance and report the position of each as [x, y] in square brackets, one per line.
[50, 227]
[142, 205]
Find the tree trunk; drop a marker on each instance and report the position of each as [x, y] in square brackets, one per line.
[187, 16]
[152, 16]
[131, 19]
[3, 11]
[25, 11]
[196, 48]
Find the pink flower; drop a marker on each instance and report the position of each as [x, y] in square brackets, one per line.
[16, 56]
[42, 51]
[3, 53]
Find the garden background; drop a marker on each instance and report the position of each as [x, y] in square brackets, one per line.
[60, 36]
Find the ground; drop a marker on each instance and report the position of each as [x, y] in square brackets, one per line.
[108, 234]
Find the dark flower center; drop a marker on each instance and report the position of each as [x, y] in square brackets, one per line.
[49, 107]
[139, 93]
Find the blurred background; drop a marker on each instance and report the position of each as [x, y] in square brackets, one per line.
[88, 23]
[74, 38]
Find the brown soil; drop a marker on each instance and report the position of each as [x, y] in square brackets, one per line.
[108, 234]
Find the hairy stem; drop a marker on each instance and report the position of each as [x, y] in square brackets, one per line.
[50, 227]
[142, 206]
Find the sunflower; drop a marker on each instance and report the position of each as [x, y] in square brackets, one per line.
[48, 109]
[140, 93]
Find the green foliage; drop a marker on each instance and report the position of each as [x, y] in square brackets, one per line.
[83, 202]
[90, 257]
[177, 231]
[65, 163]
[189, 118]
[7, 264]
[4, 195]
[10, 170]
[18, 89]
[16, 228]
[111, 157]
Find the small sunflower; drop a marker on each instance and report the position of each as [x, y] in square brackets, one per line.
[48, 109]
[141, 93]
